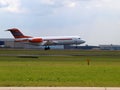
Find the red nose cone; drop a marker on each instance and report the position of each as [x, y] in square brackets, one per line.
[36, 40]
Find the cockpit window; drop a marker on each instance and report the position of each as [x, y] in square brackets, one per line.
[78, 38]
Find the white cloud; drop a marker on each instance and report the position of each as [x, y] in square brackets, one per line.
[13, 6]
[49, 2]
[70, 3]
[103, 4]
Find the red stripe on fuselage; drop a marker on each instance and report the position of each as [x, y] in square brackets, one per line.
[58, 39]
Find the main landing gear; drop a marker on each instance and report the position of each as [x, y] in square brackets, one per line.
[47, 48]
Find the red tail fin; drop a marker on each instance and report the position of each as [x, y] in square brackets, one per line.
[17, 34]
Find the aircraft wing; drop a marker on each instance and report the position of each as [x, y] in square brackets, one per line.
[49, 42]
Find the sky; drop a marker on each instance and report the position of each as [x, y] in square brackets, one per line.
[95, 21]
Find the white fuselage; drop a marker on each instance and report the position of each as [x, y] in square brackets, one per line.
[59, 40]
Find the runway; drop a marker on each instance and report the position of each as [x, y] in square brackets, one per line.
[59, 88]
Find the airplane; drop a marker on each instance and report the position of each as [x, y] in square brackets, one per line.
[45, 41]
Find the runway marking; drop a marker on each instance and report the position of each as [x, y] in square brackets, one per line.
[59, 88]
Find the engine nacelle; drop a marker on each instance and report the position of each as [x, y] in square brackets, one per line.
[36, 40]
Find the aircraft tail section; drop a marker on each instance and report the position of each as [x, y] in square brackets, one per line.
[17, 33]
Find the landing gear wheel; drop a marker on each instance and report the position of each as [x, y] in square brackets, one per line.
[47, 48]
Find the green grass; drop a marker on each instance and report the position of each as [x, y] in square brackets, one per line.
[60, 70]
[58, 52]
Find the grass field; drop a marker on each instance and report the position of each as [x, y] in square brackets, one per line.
[69, 70]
